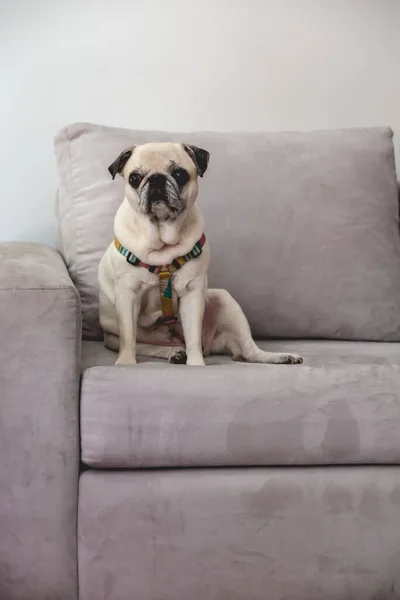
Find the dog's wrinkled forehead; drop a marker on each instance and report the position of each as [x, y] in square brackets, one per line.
[159, 157]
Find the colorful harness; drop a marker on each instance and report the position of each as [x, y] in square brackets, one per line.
[165, 276]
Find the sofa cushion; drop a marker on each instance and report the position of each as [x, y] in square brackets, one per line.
[341, 406]
[303, 226]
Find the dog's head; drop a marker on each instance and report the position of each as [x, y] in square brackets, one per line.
[161, 179]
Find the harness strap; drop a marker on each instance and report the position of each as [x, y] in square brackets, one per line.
[165, 276]
[167, 305]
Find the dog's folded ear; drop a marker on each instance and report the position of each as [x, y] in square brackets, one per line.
[199, 156]
[120, 162]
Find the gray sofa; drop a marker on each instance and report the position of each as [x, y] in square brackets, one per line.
[236, 481]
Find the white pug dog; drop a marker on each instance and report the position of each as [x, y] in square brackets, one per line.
[159, 228]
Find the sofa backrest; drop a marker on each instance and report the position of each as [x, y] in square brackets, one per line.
[303, 227]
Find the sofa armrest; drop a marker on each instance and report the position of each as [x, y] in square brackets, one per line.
[40, 337]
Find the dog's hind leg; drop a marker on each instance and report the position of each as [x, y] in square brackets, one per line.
[176, 355]
[233, 334]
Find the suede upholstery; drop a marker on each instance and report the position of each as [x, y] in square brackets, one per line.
[338, 408]
[242, 534]
[40, 328]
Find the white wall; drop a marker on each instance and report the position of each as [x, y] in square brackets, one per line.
[181, 65]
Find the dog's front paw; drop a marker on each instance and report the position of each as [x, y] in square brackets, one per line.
[178, 358]
[124, 361]
[289, 359]
[195, 361]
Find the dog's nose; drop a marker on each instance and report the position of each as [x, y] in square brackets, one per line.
[157, 180]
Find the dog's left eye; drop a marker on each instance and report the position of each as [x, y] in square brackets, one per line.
[181, 176]
[135, 179]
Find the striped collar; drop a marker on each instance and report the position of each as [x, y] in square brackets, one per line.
[176, 264]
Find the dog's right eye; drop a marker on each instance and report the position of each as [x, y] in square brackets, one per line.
[135, 179]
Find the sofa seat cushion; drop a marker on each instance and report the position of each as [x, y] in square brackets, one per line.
[341, 407]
